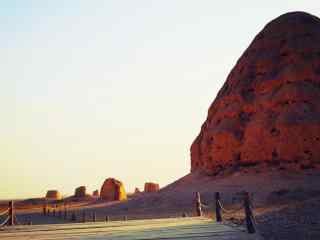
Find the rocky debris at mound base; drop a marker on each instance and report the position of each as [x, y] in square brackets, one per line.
[268, 110]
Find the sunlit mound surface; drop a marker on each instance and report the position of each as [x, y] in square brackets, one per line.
[268, 110]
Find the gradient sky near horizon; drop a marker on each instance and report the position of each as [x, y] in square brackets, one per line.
[96, 89]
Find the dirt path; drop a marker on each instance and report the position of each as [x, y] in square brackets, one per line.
[173, 228]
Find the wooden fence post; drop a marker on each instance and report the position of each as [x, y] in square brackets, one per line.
[65, 215]
[73, 217]
[218, 207]
[11, 213]
[44, 210]
[249, 214]
[198, 205]
[83, 216]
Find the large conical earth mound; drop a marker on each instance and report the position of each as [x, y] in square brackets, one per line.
[268, 111]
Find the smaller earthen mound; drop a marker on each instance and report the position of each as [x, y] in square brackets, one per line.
[53, 195]
[95, 193]
[80, 192]
[137, 190]
[151, 187]
[113, 190]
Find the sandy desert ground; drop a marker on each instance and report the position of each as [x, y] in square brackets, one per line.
[286, 205]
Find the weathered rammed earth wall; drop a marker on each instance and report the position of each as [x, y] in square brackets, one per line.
[268, 110]
[151, 187]
[113, 190]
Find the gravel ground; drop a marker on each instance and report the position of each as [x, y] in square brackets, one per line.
[299, 221]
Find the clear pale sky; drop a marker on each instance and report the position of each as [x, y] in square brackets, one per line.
[97, 89]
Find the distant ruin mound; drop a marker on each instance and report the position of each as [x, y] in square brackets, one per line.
[113, 190]
[80, 192]
[95, 193]
[151, 187]
[268, 110]
[53, 195]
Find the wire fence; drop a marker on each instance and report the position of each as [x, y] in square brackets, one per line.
[9, 216]
[247, 207]
[64, 213]
[201, 209]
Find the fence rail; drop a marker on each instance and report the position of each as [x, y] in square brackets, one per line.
[67, 214]
[251, 223]
[63, 213]
[11, 219]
